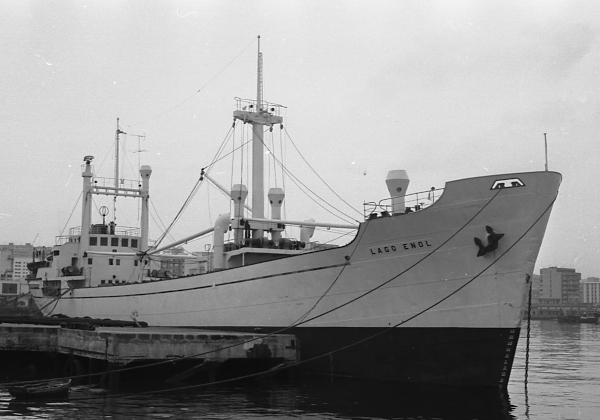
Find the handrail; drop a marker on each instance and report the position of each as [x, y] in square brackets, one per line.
[249, 104]
[414, 202]
[103, 182]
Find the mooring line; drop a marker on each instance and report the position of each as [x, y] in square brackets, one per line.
[527, 350]
[315, 317]
[285, 367]
[410, 267]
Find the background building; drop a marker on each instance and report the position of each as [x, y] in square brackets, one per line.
[14, 260]
[561, 291]
[590, 290]
[13, 271]
[559, 285]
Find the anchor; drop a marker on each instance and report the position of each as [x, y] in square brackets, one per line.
[492, 239]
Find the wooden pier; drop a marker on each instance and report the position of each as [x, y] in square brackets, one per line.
[104, 351]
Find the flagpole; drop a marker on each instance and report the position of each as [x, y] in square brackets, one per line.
[546, 150]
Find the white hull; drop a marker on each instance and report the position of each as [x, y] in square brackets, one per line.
[416, 270]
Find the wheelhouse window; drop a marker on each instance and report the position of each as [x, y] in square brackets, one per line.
[134, 243]
[114, 241]
[103, 241]
[51, 288]
[90, 261]
[125, 242]
[93, 240]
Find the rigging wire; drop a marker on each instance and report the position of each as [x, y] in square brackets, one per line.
[273, 160]
[339, 233]
[195, 93]
[244, 144]
[208, 186]
[194, 189]
[71, 215]
[354, 343]
[297, 181]
[230, 153]
[315, 172]
[124, 149]
[161, 224]
[303, 320]
[178, 215]
[282, 155]
[110, 152]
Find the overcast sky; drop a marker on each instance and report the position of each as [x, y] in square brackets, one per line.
[443, 89]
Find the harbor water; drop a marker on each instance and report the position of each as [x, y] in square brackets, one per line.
[562, 382]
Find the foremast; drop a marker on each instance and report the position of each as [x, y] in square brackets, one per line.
[260, 114]
[90, 188]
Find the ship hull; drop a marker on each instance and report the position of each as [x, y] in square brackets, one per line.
[409, 299]
[479, 357]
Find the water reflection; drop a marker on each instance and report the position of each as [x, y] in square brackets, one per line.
[563, 383]
[307, 397]
[379, 400]
[564, 372]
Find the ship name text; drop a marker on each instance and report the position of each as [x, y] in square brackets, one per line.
[405, 246]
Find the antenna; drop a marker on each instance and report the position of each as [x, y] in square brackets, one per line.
[258, 148]
[118, 132]
[546, 150]
[139, 149]
[259, 82]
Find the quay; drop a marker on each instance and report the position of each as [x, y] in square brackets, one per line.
[103, 352]
[553, 308]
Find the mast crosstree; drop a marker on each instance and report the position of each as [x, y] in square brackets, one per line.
[260, 114]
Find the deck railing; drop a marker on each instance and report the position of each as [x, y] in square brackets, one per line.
[413, 202]
[253, 106]
[123, 183]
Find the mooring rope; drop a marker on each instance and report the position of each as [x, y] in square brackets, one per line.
[302, 319]
[55, 301]
[343, 347]
[527, 348]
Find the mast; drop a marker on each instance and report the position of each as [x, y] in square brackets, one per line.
[86, 208]
[259, 81]
[258, 150]
[259, 114]
[145, 172]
